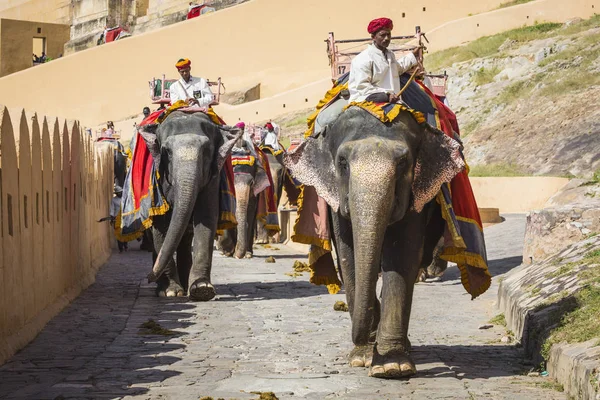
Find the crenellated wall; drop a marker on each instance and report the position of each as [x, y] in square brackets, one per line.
[55, 185]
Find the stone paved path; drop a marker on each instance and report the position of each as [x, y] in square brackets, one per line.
[266, 331]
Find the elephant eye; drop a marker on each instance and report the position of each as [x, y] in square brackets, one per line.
[343, 163]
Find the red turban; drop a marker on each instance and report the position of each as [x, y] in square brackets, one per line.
[240, 125]
[380, 23]
[269, 125]
[183, 63]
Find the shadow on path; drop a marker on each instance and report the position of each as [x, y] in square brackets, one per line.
[95, 347]
[470, 362]
[252, 291]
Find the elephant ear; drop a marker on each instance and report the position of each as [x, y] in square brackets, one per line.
[312, 164]
[230, 136]
[438, 161]
[148, 133]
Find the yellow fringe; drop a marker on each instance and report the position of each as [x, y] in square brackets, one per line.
[377, 111]
[460, 256]
[213, 116]
[250, 160]
[181, 104]
[300, 238]
[329, 96]
[456, 238]
[464, 278]
[333, 285]
[332, 282]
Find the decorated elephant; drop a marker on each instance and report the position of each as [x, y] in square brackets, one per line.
[278, 174]
[250, 179]
[189, 151]
[380, 180]
[120, 160]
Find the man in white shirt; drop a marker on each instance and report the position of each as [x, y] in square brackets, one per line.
[375, 72]
[192, 90]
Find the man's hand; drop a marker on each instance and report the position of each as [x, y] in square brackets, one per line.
[192, 101]
[394, 98]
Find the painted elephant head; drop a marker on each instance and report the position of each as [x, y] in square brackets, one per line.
[189, 151]
[374, 173]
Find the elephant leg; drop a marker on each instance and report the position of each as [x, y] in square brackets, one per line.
[168, 285]
[262, 236]
[361, 355]
[206, 213]
[433, 246]
[402, 252]
[252, 209]
[184, 257]
[227, 242]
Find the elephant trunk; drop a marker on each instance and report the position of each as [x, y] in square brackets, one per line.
[186, 187]
[370, 204]
[242, 194]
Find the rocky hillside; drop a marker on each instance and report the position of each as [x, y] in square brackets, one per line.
[528, 100]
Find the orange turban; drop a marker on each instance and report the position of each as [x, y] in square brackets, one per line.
[380, 23]
[183, 63]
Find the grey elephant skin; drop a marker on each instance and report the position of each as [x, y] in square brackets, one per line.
[189, 151]
[249, 182]
[378, 179]
[277, 173]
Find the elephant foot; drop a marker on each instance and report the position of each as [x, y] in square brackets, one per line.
[169, 289]
[395, 364]
[261, 241]
[174, 290]
[422, 275]
[227, 253]
[437, 268]
[361, 356]
[248, 254]
[202, 291]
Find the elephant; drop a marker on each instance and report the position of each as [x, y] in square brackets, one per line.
[277, 173]
[380, 180]
[438, 265]
[249, 180]
[120, 161]
[188, 151]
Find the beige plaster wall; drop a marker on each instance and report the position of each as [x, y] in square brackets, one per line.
[16, 43]
[288, 59]
[284, 54]
[517, 194]
[54, 11]
[51, 244]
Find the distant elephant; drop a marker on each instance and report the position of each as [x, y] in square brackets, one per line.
[189, 150]
[249, 180]
[379, 180]
[277, 173]
[120, 161]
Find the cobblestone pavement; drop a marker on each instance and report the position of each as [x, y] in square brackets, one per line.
[266, 331]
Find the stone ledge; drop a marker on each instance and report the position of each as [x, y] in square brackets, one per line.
[579, 362]
[534, 297]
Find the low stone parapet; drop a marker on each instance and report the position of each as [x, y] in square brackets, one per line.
[536, 297]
